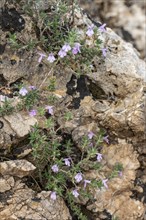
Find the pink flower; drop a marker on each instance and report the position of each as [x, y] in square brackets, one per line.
[90, 31]
[99, 157]
[23, 91]
[55, 168]
[78, 177]
[85, 183]
[76, 48]
[120, 173]
[66, 47]
[50, 109]
[33, 112]
[90, 135]
[32, 87]
[41, 57]
[104, 51]
[106, 139]
[53, 195]
[104, 183]
[62, 53]
[51, 58]
[67, 162]
[102, 28]
[75, 193]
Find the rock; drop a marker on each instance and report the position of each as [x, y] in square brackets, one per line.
[24, 203]
[6, 183]
[116, 87]
[19, 168]
[126, 18]
[86, 108]
[125, 117]
[100, 106]
[23, 127]
[116, 199]
[15, 128]
[122, 73]
[133, 23]
[126, 156]
[83, 130]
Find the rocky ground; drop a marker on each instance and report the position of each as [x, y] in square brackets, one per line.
[125, 17]
[111, 97]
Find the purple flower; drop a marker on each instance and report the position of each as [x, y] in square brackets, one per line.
[104, 51]
[62, 53]
[41, 57]
[23, 91]
[106, 139]
[85, 183]
[90, 31]
[99, 157]
[33, 112]
[55, 168]
[67, 162]
[75, 193]
[53, 195]
[90, 135]
[120, 173]
[66, 47]
[104, 183]
[51, 58]
[32, 87]
[78, 177]
[50, 109]
[102, 28]
[76, 48]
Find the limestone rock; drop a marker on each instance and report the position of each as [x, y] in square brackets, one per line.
[22, 202]
[116, 86]
[125, 117]
[126, 18]
[133, 23]
[123, 72]
[23, 127]
[15, 128]
[124, 154]
[19, 168]
[6, 183]
[116, 199]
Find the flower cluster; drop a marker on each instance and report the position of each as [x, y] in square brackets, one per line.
[75, 49]
[78, 177]
[90, 137]
[101, 29]
[62, 52]
[33, 112]
[23, 91]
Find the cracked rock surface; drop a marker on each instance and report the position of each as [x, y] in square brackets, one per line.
[22, 202]
[113, 99]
